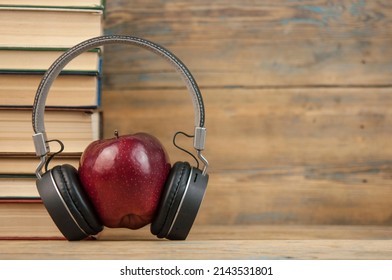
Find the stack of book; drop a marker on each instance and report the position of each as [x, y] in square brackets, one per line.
[33, 34]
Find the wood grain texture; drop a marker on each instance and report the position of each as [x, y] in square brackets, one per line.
[260, 128]
[197, 250]
[298, 103]
[259, 198]
[307, 156]
[254, 43]
[217, 242]
[202, 232]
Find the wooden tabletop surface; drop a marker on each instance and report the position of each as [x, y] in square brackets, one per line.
[218, 242]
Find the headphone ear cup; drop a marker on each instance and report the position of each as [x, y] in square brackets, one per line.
[183, 193]
[67, 203]
[170, 199]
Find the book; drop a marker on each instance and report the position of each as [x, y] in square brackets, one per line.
[26, 219]
[12, 164]
[48, 27]
[39, 59]
[75, 89]
[75, 128]
[18, 186]
[91, 4]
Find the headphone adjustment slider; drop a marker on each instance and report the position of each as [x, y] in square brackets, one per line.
[200, 138]
[41, 144]
[199, 144]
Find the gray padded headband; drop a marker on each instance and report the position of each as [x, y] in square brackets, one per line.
[55, 69]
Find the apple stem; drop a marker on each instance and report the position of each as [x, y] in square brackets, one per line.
[116, 133]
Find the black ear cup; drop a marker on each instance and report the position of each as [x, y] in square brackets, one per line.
[180, 201]
[171, 197]
[67, 203]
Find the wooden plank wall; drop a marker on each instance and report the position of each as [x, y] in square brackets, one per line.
[298, 97]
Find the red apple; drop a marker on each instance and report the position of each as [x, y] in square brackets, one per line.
[124, 177]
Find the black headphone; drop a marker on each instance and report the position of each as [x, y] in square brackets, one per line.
[60, 188]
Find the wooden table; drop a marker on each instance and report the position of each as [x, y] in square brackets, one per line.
[218, 242]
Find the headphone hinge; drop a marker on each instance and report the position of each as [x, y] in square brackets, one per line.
[199, 143]
[41, 144]
[200, 138]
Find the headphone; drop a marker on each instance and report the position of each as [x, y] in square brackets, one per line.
[61, 190]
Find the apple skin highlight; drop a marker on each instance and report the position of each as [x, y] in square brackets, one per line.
[124, 177]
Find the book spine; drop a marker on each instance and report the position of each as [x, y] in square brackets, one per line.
[20, 200]
[100, 6]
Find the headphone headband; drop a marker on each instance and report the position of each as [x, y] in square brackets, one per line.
[40, 139]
